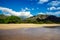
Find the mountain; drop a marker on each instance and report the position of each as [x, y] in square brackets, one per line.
[40, 19]
[53, 19]
[44, 19]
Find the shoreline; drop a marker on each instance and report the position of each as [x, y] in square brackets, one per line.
[17, 26]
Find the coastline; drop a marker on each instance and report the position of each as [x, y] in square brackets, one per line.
[17, 26]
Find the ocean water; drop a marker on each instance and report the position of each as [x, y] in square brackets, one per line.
[31, 34]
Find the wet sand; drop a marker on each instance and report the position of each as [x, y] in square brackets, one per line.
[31, 34]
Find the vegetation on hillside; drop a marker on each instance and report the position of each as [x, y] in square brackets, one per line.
[39, 19]
[9, 19]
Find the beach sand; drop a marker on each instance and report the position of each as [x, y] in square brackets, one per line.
[16, 26]
[29, 32]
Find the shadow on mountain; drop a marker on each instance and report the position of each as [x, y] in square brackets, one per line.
[53, 19]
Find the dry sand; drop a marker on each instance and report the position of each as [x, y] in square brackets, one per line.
[16, 26]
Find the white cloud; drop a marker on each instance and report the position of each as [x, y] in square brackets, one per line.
[27, 9]
[58, 8]
[54, 13]
[51, 13]
[42, 1]
[8, 12]
[54, 3]
[54, 8]
[41, 13]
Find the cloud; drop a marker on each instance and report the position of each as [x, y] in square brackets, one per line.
[54, 3]
[53, 13]
[27, 9]
[50, 13]
[9, 12]
[54, 8]
[41, 13]
[42, 1]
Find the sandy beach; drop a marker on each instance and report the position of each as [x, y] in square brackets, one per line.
[29, 32]
[16, 26]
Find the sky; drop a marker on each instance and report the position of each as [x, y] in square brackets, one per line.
[28, 8]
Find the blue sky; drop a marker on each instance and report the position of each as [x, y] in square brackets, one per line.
[30, 7]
